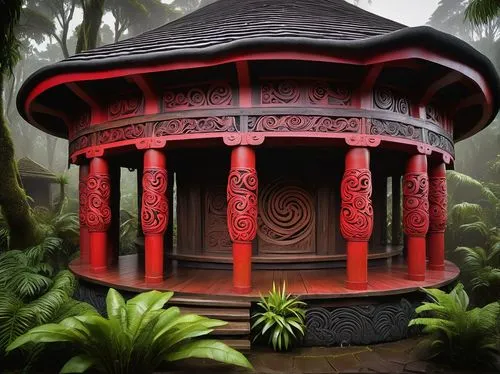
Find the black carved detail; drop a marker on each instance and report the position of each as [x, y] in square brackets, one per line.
[440, 141]
[95, 295]
[393, 128]
[365, 324]
[387, 99]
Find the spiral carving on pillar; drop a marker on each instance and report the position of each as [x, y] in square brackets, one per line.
[242, 204]
[286, 213]
[154, 212]
[356, 212]
[98, 217]
[438, 204]
[416, 204]
[82, 192]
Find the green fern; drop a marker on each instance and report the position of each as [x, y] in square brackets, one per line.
[137, 336]
[465, 337]
[18, 316]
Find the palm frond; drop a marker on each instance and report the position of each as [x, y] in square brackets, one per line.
[480, 12]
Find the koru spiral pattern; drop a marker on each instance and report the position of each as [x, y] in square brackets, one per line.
[286, 214]
[242, 204]
[356, 213]
[438, 204]
[154, 212]
[416, 203]
[82, 192]
[98, 217]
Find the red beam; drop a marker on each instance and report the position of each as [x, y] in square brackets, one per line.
[245, 88]
[97, 113]
[151, 97]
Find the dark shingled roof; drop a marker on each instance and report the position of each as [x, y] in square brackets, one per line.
[226, 21]
[29, 168]
[231, 26]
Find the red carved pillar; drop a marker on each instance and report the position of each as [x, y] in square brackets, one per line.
[98, 216]
[242, 188]
[416, 214]
[437, 215]
[84, 231]
[356, 215]
[154, 212]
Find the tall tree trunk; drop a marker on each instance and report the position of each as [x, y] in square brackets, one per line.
[24, 230]
[88, 33]
[51, 150]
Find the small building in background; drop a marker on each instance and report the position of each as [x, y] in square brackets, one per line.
[38, 182]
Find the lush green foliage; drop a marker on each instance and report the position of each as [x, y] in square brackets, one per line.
[465, 337]
[137, 336]
[482, 11]
[280, 319]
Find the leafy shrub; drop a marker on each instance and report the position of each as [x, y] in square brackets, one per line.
[481, 270]
[463, 337]
[31, 295]
[281, 319]
[137, 336]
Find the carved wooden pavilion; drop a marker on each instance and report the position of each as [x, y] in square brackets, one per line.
[281, 123]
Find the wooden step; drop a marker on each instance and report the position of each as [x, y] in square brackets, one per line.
[240, 344]
[233, 328]
[207, 301]
[225, 314]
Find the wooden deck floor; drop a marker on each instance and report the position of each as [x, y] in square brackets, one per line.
[318, 283]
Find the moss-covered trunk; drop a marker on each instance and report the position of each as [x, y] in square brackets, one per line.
[24, 230]
[88, 33]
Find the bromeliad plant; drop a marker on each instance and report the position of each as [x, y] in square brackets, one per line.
[464, 337]
[281, 319]
[136, 337]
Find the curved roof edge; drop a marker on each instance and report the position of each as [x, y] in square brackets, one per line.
[422, 36]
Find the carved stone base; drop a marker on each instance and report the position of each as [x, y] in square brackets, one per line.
[359, 324]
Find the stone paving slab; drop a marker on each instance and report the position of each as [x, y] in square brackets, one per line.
[396, 357]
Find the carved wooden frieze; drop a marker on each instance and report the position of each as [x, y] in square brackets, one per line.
[79, 143]
[304, 123]
[393, 128]
[126, 106]
[434, 115]
[387, 99]
[194, 125]
[216, 94]
[307, 92]
[440, 141]
[121, 133]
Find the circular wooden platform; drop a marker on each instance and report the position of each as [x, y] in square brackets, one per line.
[383, 280]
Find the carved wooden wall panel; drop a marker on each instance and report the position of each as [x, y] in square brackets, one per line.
[216, 238]
[287, 218]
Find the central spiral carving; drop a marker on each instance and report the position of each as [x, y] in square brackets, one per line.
[286, 213]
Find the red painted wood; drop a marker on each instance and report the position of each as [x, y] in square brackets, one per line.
[356, 217]
[309, 284]
[98, 213]
[437, 216]
[152, 101]
[416, 214]
[97, 115]
[242, 214]
[245, 88]
[389, 56]
[357, 266]
[154, 212]
[84, 231]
